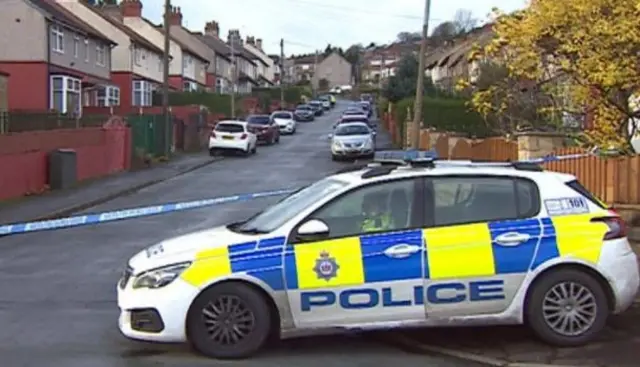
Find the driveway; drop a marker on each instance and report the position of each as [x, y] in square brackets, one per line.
[57, 288]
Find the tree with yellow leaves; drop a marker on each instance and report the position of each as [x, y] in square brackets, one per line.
[591, 46]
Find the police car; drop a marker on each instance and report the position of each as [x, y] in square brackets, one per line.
[470, 244]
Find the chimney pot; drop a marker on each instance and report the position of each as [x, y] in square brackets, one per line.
[131, 8]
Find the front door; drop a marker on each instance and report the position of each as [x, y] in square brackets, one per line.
[354, 279]
[480, 241]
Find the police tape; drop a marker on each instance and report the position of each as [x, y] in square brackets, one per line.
[111, 216]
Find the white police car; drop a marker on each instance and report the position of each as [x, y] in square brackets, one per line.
[471, 244]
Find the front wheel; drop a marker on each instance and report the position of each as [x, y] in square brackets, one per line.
[229, 321]
[567, 308]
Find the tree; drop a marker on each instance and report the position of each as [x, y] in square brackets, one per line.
[323, 84]
[354, 55]
[409, 37]
[591, 46]
[372, 45]
[443, 32]
[403, 84]
[464, 21]
[328, 50]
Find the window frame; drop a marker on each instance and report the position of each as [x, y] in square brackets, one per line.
[429, 207]
[417, 214]
[68, 85]
[108, 96]
[76, 46]
[57, 42]
[101, 55]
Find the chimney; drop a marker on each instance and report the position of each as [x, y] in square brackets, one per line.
[131, 8]
[234, 37]
[212, 29]
[251, 40]
[259, 44]
[175, 17]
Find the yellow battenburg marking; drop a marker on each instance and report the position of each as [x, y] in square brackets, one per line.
[459, 251]
[347, 255]
[577, 237]
[208, 264]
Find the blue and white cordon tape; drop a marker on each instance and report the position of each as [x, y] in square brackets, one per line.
[111, 216]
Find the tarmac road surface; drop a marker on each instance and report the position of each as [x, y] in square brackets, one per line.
[57, 288]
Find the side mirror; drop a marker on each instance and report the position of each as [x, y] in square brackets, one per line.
[329, 136]
[312, 229]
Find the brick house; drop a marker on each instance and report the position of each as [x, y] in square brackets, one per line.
[188, 67]
[134, 59]
[246, 66]
[222, 65]
[264, 62]
[55, 58]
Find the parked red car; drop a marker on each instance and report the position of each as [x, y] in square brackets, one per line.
[266, 130]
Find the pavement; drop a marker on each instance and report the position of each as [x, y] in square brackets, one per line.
[58, 288]
[61, 203]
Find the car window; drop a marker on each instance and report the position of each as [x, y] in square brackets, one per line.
[259, 120]
[458, 200]
[282, 115]
[283, 211]
[349, 129]
[229, 128]
[346, 214]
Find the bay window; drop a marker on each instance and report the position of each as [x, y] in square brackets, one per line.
[66, 94]
[109, 96]
[142, 93]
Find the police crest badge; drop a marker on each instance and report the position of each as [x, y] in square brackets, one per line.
[326, 266]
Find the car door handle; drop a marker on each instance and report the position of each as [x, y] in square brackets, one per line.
[401, 251]
[512, 238]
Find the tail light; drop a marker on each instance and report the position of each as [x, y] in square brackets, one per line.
[244, 136]
[213, 134]
[617, 227]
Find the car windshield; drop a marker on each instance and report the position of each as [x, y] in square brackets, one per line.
[355, 119]
[281, 115]
[229, 128]
[352, 112]
[303, 107]
[259, 120]
[314, 103]
[283, 211]
[344, 130]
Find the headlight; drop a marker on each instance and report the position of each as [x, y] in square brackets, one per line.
[336, 144]
[368, 143]
[160, 277]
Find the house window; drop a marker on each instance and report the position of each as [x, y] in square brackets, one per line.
[142, 93]
[86, 50]
[76, 47]
[137, 54]
[57, 39]
[219, 85]
[189, 86]
[65, 94]
[100, 55]
[109, 96]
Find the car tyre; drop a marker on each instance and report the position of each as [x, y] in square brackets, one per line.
[544, 297]
[254, 150]
[213, 152]
[335, 158]
[278, 140]
[253, 321]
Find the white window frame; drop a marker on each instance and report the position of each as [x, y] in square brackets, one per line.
[69, 85]
[137, 56]
[109, 96]
[145, 90]
[190, 86]
[86, 50]
[76, 46]
[101, 55]
[57, 38]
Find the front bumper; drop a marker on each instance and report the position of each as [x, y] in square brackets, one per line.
[352, 153]
[155, 314]
[286, 129]
[304, 117]
[619, 265]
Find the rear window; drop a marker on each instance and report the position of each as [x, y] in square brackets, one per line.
[303, 107]
[577, 187]
[282, 115]
[355, 119]
[229, 128]
[260, 120]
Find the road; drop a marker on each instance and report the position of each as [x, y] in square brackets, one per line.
[57, 289]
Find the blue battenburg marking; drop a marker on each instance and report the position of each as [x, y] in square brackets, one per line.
[518, 258]
[290, 268]
[262, 260]
[378, 267]
[548, 247]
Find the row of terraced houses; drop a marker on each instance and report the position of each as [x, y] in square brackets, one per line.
[64, 55]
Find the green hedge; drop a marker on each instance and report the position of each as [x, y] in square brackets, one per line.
[445, 114]
[216, 103]
[292, 94]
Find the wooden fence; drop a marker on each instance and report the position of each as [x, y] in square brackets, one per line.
[455, 147]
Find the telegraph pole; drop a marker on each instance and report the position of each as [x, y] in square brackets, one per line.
[282, 73]
[382, 67]
[233, 76]
[417, 106]
[315, 76]
[165, 64]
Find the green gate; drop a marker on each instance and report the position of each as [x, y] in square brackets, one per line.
[152, 136]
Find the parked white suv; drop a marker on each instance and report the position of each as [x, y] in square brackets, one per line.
[230, 135]
[285, 121]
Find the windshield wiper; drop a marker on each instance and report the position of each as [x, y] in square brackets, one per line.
[250, 231]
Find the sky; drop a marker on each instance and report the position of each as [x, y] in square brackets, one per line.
[307, 25]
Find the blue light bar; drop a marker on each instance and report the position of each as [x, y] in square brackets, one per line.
[405, 155]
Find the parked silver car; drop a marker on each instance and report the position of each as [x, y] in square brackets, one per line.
[352, 140]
